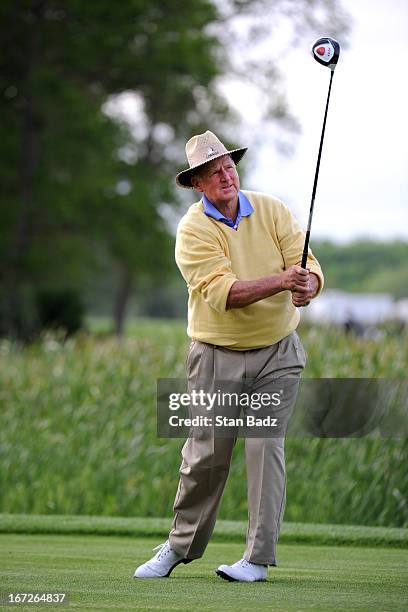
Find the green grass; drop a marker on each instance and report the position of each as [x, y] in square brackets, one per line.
[225, 531]
[96, 573]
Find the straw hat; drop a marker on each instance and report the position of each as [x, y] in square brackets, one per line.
[201, 149]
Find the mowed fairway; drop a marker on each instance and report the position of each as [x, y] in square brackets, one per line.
[96, 573]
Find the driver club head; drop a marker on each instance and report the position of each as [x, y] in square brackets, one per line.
[326, 51]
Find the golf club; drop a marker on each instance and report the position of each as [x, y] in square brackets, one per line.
[326, 51]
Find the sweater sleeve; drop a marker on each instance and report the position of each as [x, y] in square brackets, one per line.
[204, 266]
[291, 239]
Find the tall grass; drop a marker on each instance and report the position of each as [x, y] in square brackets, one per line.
[78, 431]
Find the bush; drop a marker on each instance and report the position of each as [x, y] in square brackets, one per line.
[78, 431]
[60, 308]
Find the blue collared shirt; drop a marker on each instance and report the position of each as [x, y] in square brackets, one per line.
[244, 210]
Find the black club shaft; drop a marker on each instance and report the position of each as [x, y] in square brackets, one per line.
[306, 245]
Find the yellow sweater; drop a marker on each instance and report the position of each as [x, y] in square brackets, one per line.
[211, 256]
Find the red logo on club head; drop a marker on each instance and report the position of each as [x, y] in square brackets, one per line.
[321, 50]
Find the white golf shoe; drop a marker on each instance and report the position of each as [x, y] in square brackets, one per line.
[243, 571]
[162, 564]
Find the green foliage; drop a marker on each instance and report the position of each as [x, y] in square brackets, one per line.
[62, 157]
[81, 187]
[78, 432]
[365, 265]
[60, 309]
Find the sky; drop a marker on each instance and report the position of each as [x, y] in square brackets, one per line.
[363, 181]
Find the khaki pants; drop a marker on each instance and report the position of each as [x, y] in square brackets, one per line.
[206, 458]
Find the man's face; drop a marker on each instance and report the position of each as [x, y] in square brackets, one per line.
[219, 181]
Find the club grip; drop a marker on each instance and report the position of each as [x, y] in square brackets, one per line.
[305, 250]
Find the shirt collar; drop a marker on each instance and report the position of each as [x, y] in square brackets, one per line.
[244, 208]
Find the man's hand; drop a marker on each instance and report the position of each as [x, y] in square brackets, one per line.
[303, 295]
[295, 279]
[299, 281]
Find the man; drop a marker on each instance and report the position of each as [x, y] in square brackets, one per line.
[239, 253]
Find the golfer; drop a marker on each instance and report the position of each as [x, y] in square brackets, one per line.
[239, 253]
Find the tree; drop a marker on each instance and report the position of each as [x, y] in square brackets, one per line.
[77, 181]
[365, 266]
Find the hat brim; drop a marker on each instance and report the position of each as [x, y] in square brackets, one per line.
[183, 179]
